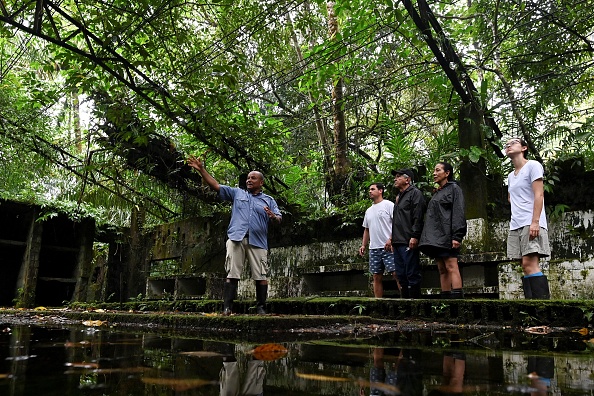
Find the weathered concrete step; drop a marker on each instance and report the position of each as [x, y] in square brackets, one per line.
[575, 313]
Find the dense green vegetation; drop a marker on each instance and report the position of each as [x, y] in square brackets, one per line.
[102, 101]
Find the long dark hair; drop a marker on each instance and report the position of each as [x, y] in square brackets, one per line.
[447, 168]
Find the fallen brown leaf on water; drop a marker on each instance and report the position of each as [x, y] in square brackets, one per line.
[583, 331]
[201, 353]
[319, 377]
[85, 365]
[178, 384]
[538, 330]
[94, 323]
[269, 352]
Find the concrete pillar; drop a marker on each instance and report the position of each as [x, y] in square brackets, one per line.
[472, 174]
[86, 236]
[27, 280]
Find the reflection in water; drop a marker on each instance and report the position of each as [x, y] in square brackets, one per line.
[454, 366]
[46, 361]
[234, 382]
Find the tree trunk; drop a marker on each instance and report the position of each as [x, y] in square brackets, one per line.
[337, 178]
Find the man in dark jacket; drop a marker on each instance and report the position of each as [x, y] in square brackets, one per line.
[407, 225]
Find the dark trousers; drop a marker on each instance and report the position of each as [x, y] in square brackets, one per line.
[408, 268]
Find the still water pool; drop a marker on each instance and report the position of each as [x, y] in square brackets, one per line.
[94, 361]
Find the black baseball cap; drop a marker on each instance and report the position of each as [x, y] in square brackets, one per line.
[406, 172]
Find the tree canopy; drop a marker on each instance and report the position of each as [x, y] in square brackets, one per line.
[106, 99]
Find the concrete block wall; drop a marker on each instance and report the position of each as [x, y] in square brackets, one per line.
[333, 267]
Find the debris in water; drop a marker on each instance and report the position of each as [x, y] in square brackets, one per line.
[269, 352]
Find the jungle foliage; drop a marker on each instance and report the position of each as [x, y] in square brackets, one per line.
[102, 101]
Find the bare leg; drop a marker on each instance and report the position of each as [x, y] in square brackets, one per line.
[451, 265]
[530, 264]
[444, 276]
[378, 286]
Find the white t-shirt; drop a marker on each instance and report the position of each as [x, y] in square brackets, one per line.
[521, 195]
[378, 218]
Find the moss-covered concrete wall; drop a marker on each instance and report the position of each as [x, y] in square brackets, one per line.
[309, 260]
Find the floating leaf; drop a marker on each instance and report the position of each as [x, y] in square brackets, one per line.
[583, 331]
[538, 330]
[269, 352]
[94, 323]
[85, 365]
[319, 377]
[201, 353]
[40, 309]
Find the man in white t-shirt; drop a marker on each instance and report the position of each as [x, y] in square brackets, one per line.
[528, 238]
[377, 231]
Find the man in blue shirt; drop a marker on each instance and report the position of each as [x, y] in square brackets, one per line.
[248, 233]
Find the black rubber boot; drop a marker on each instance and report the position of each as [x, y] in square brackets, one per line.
[526, 287]
[261, 295]
[229, 294]
[540, 287]
[457, 294]
[445, 294]
[414, 291]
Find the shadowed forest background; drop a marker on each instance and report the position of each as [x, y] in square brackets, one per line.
[101, 102]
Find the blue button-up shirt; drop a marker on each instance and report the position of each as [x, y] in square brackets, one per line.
[248, 214]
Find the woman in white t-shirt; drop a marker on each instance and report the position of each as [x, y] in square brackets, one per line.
[528, 238]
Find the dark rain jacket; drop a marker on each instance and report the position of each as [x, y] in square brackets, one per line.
[409, 212]
[445, 220]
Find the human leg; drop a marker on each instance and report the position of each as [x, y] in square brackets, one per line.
[258, 260]
[376, 268]
[534, 281]
[413, 272]
[234, 260]
[400, 270]
[451, 264]
[378, 285]
[532, 250]
[444, 276]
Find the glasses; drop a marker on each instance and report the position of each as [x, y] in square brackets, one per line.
[510, 143]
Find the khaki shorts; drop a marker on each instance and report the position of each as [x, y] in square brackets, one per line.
[238, 252]
[519, 243]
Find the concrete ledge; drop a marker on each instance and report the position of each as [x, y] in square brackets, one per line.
[574, 313]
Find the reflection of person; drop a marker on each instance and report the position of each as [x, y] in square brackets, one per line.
[444, 229]
[377, 231]
[253, 381]
[378, 374]
[409, 210]
[541, 371]
[528, 239]
[248, 233]
[454, 367]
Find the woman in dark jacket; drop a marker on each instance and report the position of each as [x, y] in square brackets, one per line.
[445, 227]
